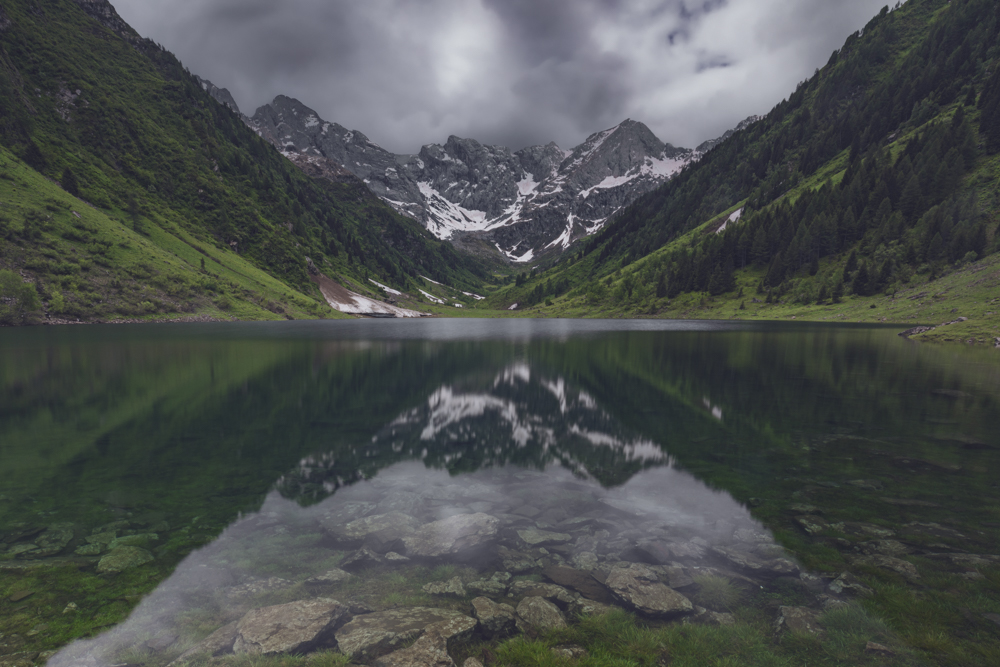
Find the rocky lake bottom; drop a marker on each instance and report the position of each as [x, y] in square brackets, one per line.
[516, 510]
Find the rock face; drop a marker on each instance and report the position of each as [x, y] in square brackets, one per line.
[537, 613]
[431, 650]
[375, 634]
[639, 587]
[296, 627]
[452, 536]
[527, 202]
[495, 618]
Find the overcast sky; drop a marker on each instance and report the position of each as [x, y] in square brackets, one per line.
[508, 72]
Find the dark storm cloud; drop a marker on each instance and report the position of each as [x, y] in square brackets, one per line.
[512, 72]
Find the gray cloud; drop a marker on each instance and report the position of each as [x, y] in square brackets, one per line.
[511, 72]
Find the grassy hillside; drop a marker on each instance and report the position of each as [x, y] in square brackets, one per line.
[119, 124]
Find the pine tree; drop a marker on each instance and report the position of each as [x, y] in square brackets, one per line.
[862, 282]
[69, 182]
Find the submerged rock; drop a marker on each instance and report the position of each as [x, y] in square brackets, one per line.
[53, 540]
[218, 643]
[580, 581]
[495, 618]
[452, 588]
[431, 650]
[452, 536]
[375, 531]
[296, 627]
[536, 613]
[535, 538]
[371, 635]
[496, 585]
[638, 586]
[123, 558]
[331, 579]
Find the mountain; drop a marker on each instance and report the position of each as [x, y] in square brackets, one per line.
[875, 177]
[525, 203]
[129, 192]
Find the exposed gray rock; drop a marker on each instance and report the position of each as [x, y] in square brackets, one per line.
[495, 619]
[296, 627]
[452, 588]
[639, 587]
[123, 558]
[798, 619]
[811, 524]
[535, 613]
[452, 536]
[533, 199]
[372, 635]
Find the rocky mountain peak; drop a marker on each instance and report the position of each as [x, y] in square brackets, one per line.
[536, 200]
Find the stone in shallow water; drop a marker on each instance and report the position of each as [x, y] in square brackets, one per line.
[138, 540]
[386, 528]
[452, 588]
[748, 562]
[103, 539]
[580, 581]
[54, 540]
[517, 562]
[798, 619]
[639, 587]
[296, 627]
[536, 613]
[535, 538]
[256, 587]
[495, 619]
[124, 558]
[452, 536]
[362, 559]
[496, 585]
[328, 580]
[561, 596]
[89, 550]
[218, 643]
[431, 650]
[371, 635]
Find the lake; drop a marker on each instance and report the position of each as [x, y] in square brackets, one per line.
[508, 491]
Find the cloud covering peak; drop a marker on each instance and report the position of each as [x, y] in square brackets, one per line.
[509, 72]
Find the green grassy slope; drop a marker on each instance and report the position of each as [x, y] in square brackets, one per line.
[874, 182]
[118, 122]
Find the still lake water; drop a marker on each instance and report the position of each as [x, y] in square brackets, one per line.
[158, 482]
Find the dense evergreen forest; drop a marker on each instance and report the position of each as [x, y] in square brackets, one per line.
[876, 168]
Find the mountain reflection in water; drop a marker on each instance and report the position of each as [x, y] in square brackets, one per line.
[532, 451]
[223, 469]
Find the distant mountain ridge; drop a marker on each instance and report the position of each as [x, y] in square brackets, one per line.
[525, 203]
